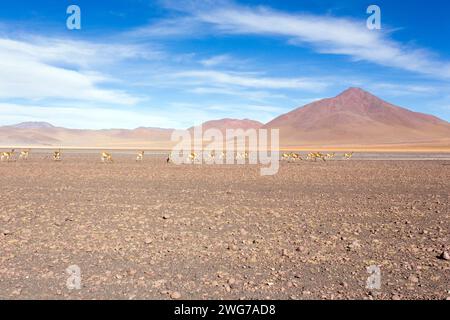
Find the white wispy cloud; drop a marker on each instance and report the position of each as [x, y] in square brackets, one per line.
[251, 108]
[81, 53]
[195, 113]
[41, 68]
[217, 60]
[170, 27]
[249, 81]
[326, 34]
[407, 89]
[82, 117]
[236, 92]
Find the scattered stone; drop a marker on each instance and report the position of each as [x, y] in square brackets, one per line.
[373, 294]
[243, 238]
[355, 245]
[17, 292]
[445, 256]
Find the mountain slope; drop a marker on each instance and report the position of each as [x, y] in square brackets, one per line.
[33, 125]
[31, 134]
[353, 118]
[356, 117]
[227, 123]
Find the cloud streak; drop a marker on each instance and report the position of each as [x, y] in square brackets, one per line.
[43, 68]
[326, 34]
[81, 117]
[248, 80]
[217, 60]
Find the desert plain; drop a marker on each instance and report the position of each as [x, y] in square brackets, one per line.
[154, 230]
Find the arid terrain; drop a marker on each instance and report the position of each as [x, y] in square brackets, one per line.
[355, 119]
[156, 231]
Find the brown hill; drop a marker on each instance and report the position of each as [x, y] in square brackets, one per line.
[42, 134]
[356, 117]
[33, 125]
[29, 134]
[227, 123]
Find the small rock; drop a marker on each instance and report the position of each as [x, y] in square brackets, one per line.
[354, 246]
[300, 249]
[396, 297]
[244, 232]
[148, 241]
[175, 295]
[445, 256]
[17, 292]
[373, 294]
[413, 279]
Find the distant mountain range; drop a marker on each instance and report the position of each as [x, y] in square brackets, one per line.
[43, 134]
[355, 118]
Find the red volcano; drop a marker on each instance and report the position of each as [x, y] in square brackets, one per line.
[356, 117]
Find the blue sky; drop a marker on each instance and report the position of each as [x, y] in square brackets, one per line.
[168, 63]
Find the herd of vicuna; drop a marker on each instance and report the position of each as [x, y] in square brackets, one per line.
[106, 157]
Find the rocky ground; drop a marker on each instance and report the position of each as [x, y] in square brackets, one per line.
[156, 231]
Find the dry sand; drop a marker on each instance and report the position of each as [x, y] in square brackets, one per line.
[155, 231]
